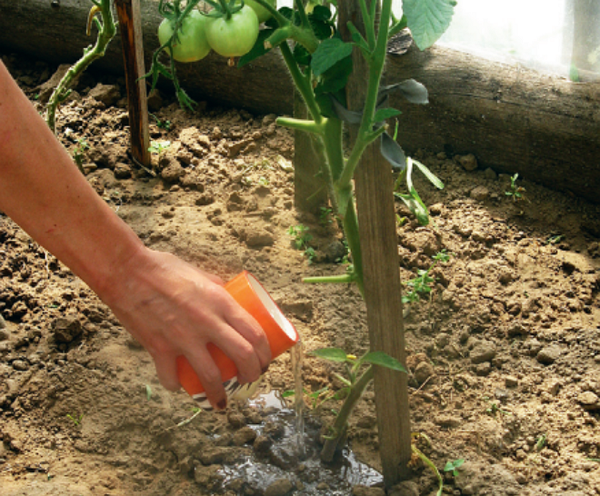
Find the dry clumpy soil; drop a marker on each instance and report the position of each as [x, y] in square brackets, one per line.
[504, 353]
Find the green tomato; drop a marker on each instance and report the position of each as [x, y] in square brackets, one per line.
[235, 36]
[192, 44]
[262, 13]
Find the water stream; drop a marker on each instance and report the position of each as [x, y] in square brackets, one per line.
[297, 353]
[294, 455]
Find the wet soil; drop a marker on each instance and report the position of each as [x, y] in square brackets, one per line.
[504, 352]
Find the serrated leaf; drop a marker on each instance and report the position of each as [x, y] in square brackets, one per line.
[329, 53]
[428, 19]
[383, 360]
[301, 55]
[336, 77]
[321, 13]
[392, 152]
[436, 181]
[331, 354]
[412, 90]
[320, 22]
[385, 113]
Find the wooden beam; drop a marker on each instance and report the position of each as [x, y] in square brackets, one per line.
[130, 27]
[310, 192]
[383, 290]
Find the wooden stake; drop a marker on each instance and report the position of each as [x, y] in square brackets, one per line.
[310, 192]
[377, 228]
[130, 27]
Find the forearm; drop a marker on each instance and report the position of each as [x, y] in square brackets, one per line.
[42, 190]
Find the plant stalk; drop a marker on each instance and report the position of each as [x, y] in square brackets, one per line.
[341, 421]
[106, 32]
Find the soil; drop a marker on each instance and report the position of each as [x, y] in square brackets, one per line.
[504, 352]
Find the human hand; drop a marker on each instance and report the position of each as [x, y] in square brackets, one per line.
[173, 308]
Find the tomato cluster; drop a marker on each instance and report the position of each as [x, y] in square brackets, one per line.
[230, 37]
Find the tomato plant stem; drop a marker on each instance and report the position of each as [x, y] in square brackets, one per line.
[106, 32]
[375, 62]
[302, 83]
[339, 279]
[341, 421]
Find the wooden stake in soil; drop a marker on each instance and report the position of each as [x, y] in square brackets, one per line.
[310, 193]
[130, 27]
[377, 228]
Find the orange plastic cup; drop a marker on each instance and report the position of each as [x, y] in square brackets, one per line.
[281, 333]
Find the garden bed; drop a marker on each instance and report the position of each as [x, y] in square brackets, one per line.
[504, 355]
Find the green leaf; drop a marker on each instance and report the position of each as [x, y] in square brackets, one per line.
[412, 90]
[336, 77]
[392, 152]
[320, 22]
[453, 465]
[343, 114]
[329, 53]
[331, 354]
[436, 181]
[428, 19]
[385, 113]
[301, 55]
[320, 13]
[383, 360]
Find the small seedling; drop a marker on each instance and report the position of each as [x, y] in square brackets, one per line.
[148, 392]
[421, 285]
[452, 466]
[516, 192]
[263, 181]
[300, 235]
[157, 147]
[552, 240]
[166, 124]
[493, 409]
[325, 216]
[540, 443]
[76, 420]
[78, 152]
[310, 254]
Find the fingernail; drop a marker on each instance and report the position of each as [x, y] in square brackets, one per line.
[221, 405]
[265, 368]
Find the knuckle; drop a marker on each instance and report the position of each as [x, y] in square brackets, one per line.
[211, 377]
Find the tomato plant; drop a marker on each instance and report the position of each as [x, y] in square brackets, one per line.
[235, 35]
[320, 64]
[101, 17]
[190, 44]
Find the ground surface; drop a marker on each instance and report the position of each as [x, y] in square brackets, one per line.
[504, 354]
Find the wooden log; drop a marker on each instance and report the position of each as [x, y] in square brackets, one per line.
[512, 118]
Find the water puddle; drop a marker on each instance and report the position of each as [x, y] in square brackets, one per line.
[294, 455]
